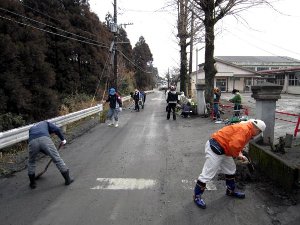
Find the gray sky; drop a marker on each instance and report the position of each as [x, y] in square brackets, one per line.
[266, 32]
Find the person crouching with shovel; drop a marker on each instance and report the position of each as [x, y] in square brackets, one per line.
[224, 145]
[40, 141]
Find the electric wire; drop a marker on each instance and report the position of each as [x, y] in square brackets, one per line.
[105, 65]
[27, 18]
[40, 29]
[35, 10]
[283, 57]
[268, 42]
[46, 15]
[138, 67]
[99, 44]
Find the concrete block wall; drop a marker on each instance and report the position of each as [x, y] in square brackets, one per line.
[281, 172]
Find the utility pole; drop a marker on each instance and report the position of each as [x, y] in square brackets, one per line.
[115, 80]
[168, 76]
[197, 65]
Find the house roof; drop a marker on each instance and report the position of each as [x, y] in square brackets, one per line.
[230, 64]
[280, 71]
[258, 59]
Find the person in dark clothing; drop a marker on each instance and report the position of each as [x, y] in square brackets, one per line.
[136, 97]
[186, 110]
[217, 95]
[115, 106]
[40, 141]
[172, 100]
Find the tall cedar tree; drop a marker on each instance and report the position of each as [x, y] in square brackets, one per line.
[142, 57]
[39, 68]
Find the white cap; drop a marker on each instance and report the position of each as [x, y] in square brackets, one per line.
[259, 124]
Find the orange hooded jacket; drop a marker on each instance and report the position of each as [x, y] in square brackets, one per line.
[233, 138]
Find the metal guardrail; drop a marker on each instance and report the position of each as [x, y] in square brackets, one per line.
[10, 137]
[17, 135]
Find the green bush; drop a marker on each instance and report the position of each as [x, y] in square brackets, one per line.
[76, 102]
[9, 121]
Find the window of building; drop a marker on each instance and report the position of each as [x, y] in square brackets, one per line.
[280, 79]
[261, 80]
[294, 79]
[221, 83]
[250, 68]
[248, 81]
[260, 68]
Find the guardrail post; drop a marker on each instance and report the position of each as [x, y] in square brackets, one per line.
[201, 105]
[266, 95]
[64, 128]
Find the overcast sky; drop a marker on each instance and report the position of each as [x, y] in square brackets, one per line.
[267, 32]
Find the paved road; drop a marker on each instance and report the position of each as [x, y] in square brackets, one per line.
[142, 172]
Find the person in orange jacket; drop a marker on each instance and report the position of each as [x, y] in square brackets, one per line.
[224, 145]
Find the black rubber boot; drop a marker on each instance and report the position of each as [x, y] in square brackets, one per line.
[174, 116]
[32, 181]
[68, 179]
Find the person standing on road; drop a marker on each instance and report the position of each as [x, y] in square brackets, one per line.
[115, 106]
[217, 95]
[224, 145]
[237, 100]
[172, 101]
[143, 94]
[166, 97]
[40, 141]
[136, 97]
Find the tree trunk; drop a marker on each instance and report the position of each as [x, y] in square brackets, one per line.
[191, 57]
[183, 66]
[182, 34]
[209, 66]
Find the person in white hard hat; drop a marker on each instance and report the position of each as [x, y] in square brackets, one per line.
[224, 145]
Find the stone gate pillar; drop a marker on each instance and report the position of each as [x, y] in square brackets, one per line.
[266, 95]
[201, 105]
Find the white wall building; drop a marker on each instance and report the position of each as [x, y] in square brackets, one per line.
[228, 77]
[241, 72]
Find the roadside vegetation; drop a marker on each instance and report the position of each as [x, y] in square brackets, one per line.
[55, 59]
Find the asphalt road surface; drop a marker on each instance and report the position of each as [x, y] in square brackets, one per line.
[142, 172]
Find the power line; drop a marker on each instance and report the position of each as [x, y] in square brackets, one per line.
[268, 42]
[35, 10]
[40, 29]
[67, 37]
[138, 67]
[46, 15]
[105, 65]
[287, 58]
[14, 13]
